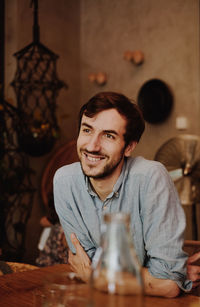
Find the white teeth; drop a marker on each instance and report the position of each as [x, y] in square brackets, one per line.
[93, 159]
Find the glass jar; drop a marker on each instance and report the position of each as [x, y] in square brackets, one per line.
[115, 267]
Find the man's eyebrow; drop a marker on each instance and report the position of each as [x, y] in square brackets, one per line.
[104, 131]
[110, 131]
[86, 125]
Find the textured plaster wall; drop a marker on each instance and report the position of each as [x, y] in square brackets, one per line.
[168, 34]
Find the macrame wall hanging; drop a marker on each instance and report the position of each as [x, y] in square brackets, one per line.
[36, 86]
[29, 128]
[16, 188]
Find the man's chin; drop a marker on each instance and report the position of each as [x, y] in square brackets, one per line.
[90, 173]
[96, 175]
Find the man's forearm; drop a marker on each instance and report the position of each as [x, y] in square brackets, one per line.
[152, 286]
[81, 264]
[159, 287]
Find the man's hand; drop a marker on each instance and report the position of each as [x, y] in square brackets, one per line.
[80, 262]
[193, 271]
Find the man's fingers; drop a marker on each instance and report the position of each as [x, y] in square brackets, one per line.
[69, 255]
[70, 260]
[74, 239]
[194, 258]
[76, 242]
[193, 273]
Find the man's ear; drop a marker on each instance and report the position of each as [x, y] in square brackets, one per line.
[129, 148]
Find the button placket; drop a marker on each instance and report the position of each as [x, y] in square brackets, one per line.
[106, 203]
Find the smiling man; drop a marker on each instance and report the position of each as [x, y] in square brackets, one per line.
[108, 179]
[102, 150]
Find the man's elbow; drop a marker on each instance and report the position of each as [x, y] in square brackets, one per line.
[159, 287]
[172, 289]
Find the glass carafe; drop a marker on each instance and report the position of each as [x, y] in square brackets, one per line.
[116, 269]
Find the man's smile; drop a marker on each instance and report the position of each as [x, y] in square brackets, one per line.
[93, 157]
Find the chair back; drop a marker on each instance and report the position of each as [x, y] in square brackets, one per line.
[65, 154]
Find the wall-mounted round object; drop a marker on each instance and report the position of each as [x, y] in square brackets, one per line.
[100, 78]
[155, 101]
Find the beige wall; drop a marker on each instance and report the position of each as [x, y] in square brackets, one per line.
[92, 36]
[168, 34]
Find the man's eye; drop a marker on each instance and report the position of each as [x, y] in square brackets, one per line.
[86, 130]
[110, 136]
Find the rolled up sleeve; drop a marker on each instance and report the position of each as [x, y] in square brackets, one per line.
[163, 226]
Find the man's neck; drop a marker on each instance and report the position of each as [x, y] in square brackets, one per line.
[104, 186]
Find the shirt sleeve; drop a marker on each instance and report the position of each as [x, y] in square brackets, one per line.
[70, 219]
[163, 226]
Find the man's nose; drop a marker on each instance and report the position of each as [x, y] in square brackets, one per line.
[94, 143]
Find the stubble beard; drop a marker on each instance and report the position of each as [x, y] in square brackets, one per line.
[107, 170]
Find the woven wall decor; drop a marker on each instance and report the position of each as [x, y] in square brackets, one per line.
[36, 86]
[16, 188]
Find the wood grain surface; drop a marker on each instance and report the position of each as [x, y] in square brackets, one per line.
[19, 289]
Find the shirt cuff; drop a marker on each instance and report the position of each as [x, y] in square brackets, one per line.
[185, 285]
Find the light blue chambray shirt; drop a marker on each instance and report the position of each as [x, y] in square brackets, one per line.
[145, 190]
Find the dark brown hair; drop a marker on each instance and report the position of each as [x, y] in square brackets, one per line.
[111, 100]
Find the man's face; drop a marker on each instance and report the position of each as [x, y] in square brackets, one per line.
[100, 145]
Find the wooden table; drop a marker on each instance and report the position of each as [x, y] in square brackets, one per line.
[17, 290]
